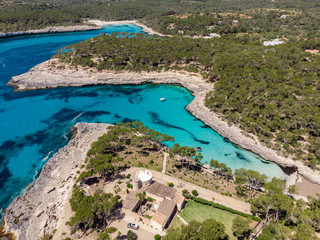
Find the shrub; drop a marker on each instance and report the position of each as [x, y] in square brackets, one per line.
[157, 237]
[131, 235]
[170, 184]
[129, 186]
[195, 193]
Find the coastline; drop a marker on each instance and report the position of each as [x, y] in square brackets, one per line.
[41, 209]
[145, 29]
[55, 29]
[135, 22]
[45, 75]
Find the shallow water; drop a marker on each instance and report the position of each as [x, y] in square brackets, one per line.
[35, 124]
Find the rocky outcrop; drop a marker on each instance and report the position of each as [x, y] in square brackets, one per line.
[57, 29]
[40, 210]
[46, 75]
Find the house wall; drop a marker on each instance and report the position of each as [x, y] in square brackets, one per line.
[156, 225]
[170, 218]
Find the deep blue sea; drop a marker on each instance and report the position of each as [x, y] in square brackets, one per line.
[35, 124]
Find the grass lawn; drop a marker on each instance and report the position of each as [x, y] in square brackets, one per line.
[176, 223]
[199, 212]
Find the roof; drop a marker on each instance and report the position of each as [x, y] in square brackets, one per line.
[179, 199]
[313, 51]
[164, 212]
[161, 190]
[131, 201]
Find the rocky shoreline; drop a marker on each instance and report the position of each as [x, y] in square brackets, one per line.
[41, 209]
[46, 75]
[56, 29]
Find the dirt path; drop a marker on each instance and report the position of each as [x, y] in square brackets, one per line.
[164, 163]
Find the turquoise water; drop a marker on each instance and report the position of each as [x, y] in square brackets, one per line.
[35, 124]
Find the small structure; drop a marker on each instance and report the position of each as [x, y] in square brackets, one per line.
[284, 16]
[235, 22]
[145, 177]
[137, 184]
[131, 203]
[163, 216]
[312, 51]
[179, 200]
[212, 35]
[273, 42]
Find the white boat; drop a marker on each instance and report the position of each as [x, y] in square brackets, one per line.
[162, 99]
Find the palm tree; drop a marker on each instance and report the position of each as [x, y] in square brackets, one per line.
[141, 197]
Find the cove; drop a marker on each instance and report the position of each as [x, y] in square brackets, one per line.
[35, 124]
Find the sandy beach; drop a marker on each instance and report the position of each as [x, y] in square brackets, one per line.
[45, 75]
[135, 22]
[145, 29]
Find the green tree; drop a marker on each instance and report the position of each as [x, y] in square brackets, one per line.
[252, 179]
[275, 186]
[141, 197]
[106, 234]
[304, 232]
[208, 229]
[275, 231]
[274, 207]
[241, 228]
[131, 235]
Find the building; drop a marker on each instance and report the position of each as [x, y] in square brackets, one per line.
[312, 51]
[273, 42]
[131, 203]
[160, 191]
[167, 200]
[163, 216]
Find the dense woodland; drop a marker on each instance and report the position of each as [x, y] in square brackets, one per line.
[182, 17]
[271, 92]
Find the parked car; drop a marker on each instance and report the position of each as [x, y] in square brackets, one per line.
[133, 226]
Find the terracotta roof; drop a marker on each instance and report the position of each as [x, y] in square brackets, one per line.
[179, 199]
[160, 218]
[161, 190]
[164, 212]
[131, 201]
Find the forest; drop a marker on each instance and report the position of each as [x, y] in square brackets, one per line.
[180, 17]
[271, 92]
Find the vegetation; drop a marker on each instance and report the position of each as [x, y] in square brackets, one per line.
[208, 229]
[131, 235]
[91, 211]
[195, 211]
[261, 18]
[219, 206]
[252, 179]
[195, 193]
[241, 228]
[272, 93]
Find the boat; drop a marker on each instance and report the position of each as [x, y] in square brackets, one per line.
[162, 99]
[198, 149]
